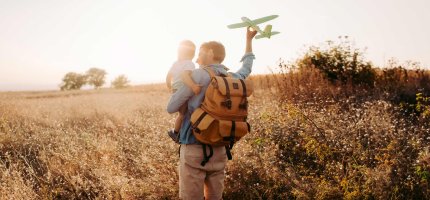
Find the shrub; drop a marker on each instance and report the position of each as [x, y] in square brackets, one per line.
[340, 62]
[73, 81]
[96, 77]
[120, 82]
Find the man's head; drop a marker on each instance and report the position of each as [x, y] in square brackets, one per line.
[186, 50]
[211, 53]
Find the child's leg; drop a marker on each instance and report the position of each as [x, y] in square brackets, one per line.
[178, 122]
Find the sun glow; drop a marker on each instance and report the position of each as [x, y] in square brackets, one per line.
[42, 41]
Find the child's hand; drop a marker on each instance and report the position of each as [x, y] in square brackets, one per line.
[196, 89]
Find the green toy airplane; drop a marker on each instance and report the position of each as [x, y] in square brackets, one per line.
[267, 32]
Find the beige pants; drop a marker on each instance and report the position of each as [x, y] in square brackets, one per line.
[196, 181]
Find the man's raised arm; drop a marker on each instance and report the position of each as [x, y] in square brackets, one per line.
[250, 34]
[248, 58]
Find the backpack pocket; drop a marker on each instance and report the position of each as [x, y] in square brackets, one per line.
[236, 129]
[201, 120]
[209, 130]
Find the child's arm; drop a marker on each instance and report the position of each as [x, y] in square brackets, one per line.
[169, 81]
[186, 78]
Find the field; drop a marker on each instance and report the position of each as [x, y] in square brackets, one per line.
[112, 144]
[312, 137]
[88, 144]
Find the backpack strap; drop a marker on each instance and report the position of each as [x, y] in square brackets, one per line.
[245, 104]
[205, 156]
[231, 138]
[232, 133]
[243, 87]
[228, 152]
[210, 71]
[196, 124]
[227, 102]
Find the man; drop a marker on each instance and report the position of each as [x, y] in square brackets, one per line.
[197, 181]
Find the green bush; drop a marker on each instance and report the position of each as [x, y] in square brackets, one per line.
[120, 82]
[340, 62]
[73, 81]
[339, 130]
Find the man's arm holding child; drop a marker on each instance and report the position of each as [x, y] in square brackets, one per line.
[186, 78]
[248, 58]
[178, 99]
[184, 93]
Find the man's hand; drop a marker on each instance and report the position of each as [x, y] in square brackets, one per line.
[250, 34]
[196, 89]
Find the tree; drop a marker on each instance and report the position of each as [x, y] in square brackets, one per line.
[96, 77]
[340, 62]
[120, 82]
[73, 81]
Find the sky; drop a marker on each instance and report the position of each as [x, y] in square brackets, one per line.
[42, 40]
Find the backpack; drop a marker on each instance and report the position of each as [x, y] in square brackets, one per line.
[221, 118]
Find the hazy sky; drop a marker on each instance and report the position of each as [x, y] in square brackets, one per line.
[42, 40]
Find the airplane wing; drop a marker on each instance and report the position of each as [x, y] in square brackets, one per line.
[265, 36]
[260, 36]
[264, 19]
[238, 25]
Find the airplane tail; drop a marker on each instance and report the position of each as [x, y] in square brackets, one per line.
[268, 28]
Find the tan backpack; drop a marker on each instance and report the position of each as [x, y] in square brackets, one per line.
[221, 118]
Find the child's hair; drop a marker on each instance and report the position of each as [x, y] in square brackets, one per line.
[186, 50]
[217, 48]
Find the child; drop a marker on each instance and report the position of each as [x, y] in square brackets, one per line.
[180, 73]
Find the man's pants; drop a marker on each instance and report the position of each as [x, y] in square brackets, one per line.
[194, 178]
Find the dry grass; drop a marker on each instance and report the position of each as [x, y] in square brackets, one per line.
[88, 144]
[310, 140]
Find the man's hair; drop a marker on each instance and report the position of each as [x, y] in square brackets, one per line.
[217, 48]
[186, 50]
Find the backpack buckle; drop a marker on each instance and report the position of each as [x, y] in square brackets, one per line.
[197, 130]
[244, 105]
[227, 103]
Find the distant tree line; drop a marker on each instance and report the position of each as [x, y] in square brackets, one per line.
[94, 77]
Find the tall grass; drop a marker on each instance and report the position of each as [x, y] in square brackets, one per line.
[325, 139]
[90, 145]
[312, 138]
